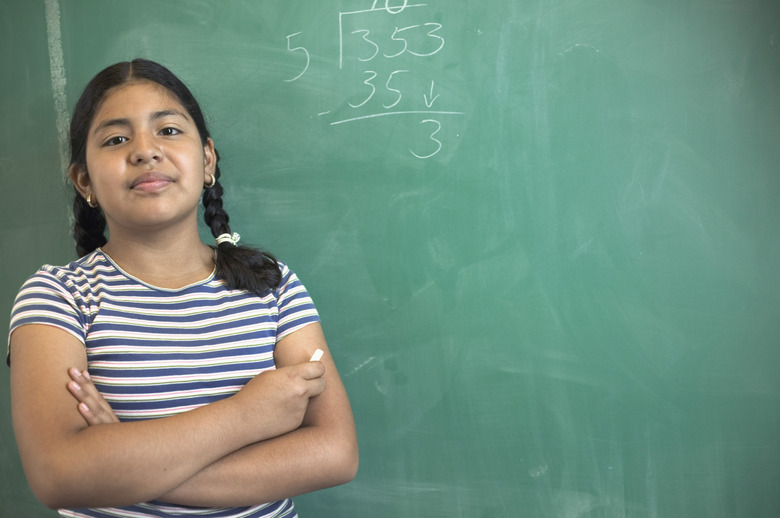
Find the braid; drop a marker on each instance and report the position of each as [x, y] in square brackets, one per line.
[242, 267]
[89, 226]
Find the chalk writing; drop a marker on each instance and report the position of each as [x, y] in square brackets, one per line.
[372, 37]
[305, 53]
[432, 99]
[366, 33]
[437, 38]
[432, 137]
[388, 8]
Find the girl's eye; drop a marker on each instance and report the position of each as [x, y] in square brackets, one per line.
[167, 132]
[115, 141]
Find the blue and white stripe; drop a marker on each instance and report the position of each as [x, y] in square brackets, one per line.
[156, 352]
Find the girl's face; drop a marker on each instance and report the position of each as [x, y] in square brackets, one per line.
[146, 165]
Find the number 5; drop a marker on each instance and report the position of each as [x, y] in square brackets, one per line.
[305, 52]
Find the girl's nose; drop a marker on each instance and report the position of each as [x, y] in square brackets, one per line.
[146, 149]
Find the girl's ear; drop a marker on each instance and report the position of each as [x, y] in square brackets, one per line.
[80, 178]
[209, 158]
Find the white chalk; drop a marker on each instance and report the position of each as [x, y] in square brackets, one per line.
[316, 356]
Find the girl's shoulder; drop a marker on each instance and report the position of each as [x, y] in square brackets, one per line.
[79, 271]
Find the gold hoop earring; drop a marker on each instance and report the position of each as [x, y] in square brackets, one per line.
[89, 201]
[212, 183]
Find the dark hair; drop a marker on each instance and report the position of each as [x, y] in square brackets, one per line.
[241, 267]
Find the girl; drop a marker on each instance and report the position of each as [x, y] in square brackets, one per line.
[188, 363]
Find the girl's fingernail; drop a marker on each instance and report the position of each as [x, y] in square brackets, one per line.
[75, 386]
[83, 407]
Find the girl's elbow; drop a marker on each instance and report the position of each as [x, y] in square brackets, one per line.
[56, 484]
[354, 463]
[47, 488]
[339, 458]
[51, 501]
[350, 471]
[59, 484]
[348, 461]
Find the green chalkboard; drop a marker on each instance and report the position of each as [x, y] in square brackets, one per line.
[543, 235]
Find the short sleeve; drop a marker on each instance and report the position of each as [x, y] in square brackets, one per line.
[296, 308]
[45, 299]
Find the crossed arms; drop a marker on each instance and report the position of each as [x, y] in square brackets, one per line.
[288, 431]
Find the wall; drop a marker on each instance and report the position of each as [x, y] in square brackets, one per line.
[542, 235]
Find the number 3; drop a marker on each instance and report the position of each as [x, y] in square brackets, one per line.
[433, 135]
[367, 82]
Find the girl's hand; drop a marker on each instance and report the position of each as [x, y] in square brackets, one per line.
[277, 399]
[92, 406]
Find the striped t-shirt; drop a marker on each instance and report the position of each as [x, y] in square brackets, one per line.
[156, 352]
